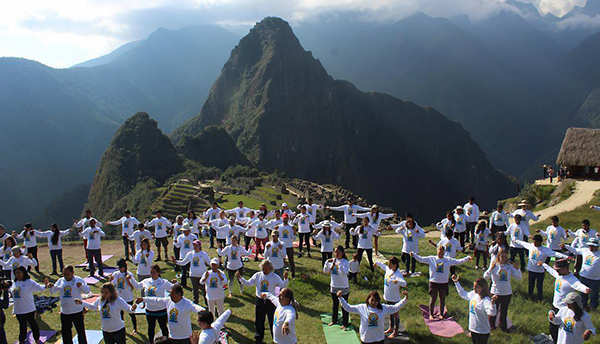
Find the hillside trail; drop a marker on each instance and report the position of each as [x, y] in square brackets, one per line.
[584, 192]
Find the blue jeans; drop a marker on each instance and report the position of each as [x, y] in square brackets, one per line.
[594, 286]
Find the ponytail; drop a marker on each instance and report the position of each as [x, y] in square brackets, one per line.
[289, 294]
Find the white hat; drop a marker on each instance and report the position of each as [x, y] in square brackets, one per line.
[326, 223]
[284, 204]
[593, 242]
[374, 206]
[458, 207]
[522, 203]
[214, 261]
[186, 227]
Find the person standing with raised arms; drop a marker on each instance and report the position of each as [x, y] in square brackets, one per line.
[349, 209]
[161, 236]
[128, 224]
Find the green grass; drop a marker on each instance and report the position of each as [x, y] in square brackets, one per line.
[262, 194]
[311, 289]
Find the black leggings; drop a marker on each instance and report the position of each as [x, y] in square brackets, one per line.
[394, 318]
[24, 319]
[132, 316]
[521, 252]
[152, 318]
[369, 256]
[502, 305]
[264, 309]
[325, 256]
[461, 237]
[536, 278]
[409, 261]
[117, 337]
[480, 338]
[67, 321]
[56, 256]
[335, 308]
[304, 237]
[479, 253]
[289, 251]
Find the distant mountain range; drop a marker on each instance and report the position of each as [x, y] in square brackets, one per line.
[514, 82]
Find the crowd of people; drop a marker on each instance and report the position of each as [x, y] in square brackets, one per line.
[269, 237]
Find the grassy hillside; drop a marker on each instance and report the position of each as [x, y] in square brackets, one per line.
[311, 290]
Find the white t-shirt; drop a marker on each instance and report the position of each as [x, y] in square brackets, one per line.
[349, 211]
[571, 331]
[410, 237]
[538, 254]
[212, 213]
[234, 256]
[526, 216]
[264, 283]
[498, 219]
[185, 244]
[178, 315]
[479, 310]
[69, 291]
[93, 236]
[283, 314]
[127, 225]
[215, 284]
[374, 221]
[13, 262]
[212, 335]
[275, 252]
[365, 239]
[392, 281]
[338, 270]
[199, 261]
[48, 234]
[563, 285]
[501, 276]
[156, 288]
[22, 294]
[303, 222]
[257, 229]
[160, 226]
[287, 235]
[590, 267]
[239, 212]
[143, 259]
[371, 319]
[354, 266]
[139, 235]
[123, 286]
[461, 223]
[517, 232]
[481, 239]
[450, 246]
[29, 237]
[439, 268]
[110, 313]
[327, 240]
[554, 236]
[472, 212]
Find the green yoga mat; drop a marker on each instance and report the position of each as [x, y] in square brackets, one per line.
[335, 335]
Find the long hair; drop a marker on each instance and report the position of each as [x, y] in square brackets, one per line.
[341, 249]
[24, 271]
[375, 295]
[289, 294]
[112, 293]
[485, 290]
[578, 311]
[55, 234]
[395, 261]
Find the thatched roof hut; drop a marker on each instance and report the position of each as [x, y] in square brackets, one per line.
[580, 149]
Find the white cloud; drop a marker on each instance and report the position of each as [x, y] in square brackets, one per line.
[63, 32]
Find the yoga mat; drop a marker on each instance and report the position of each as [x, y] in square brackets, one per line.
[335, 335]
[91, 298]
[44, 336]
[104, 258]
[92, 336]
[444, 328]
[91, 280]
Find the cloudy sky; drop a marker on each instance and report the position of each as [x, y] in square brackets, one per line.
[61, 33]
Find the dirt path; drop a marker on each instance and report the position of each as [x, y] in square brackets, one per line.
[584, 192]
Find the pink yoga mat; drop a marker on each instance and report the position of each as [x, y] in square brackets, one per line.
[92, 298]
[104, 258]
[444, 328]
[44, 336]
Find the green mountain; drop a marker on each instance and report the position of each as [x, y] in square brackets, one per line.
[212, 146]
[286, 113]
[138, 153]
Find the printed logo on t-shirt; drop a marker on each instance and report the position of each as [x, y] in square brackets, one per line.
[552, 234]
[589, 260]
[159, 227]
[196, 261]
[534, 254]
[439, 267]
[569, 324]
[482, 237]
[233, 254]
[213, 283]
[302, 221]
[364, 235]
[275, 252]
[373, 319]
[151, 291]
[7, 256]
[231, 232]
[558, 285]
[264, 286]
[285, 234]
[502, 275]
[17, 293]
[409, 236]
[186, 244]
[143, 259]
[334, 269]
[105, 311]
[67, 291]
[173, 313]
[328, 238]
[387, 281]
[472, 306]
[448, 247]
[517, 233]
[15, 265]
[120, 283]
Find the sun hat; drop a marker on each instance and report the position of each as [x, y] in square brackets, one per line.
[522, 203]
[574, 297]
[593, 242]
[214, 261]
